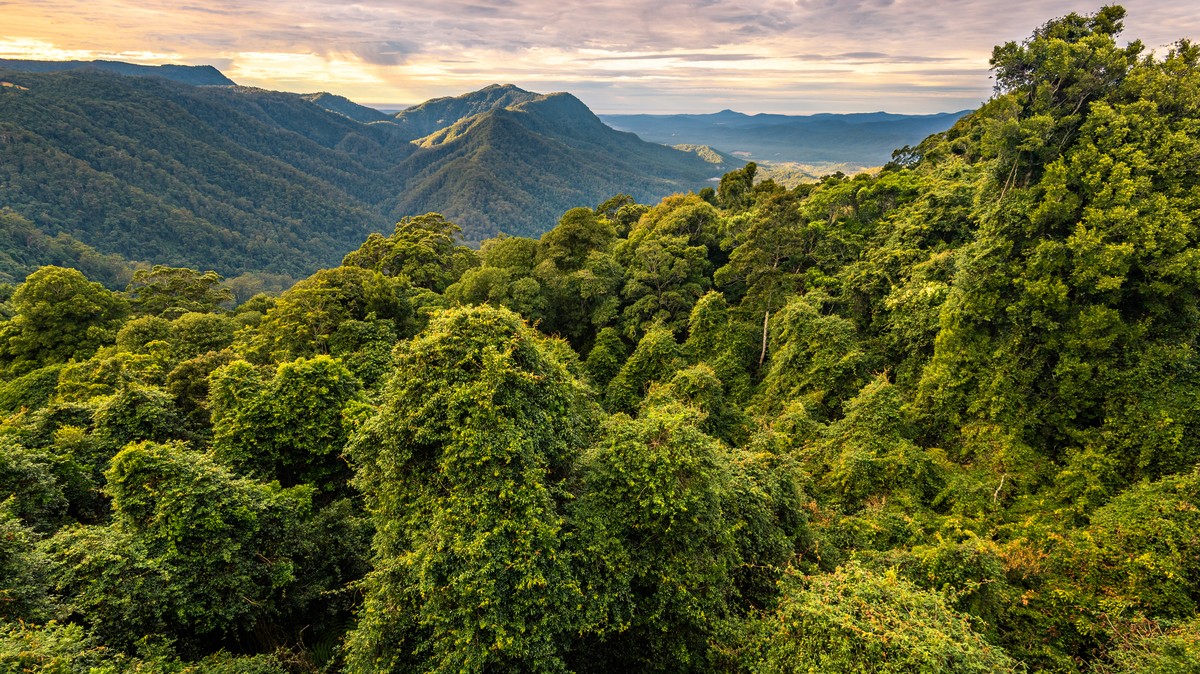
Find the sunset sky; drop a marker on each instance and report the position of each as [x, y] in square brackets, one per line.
[797, 56]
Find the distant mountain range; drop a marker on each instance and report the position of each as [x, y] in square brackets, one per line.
[165, 167]
[194, 75]
[865, 139]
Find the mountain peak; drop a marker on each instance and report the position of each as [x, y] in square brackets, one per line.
[346, 107]
[440, 113]
[504, 87]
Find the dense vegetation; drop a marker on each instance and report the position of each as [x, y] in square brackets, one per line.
[939, 419]
[242, 180]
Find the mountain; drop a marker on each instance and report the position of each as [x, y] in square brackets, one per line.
[194, 75]
[240, 179]
[228, 178]
[347, 107]
[865, 139]
[440, 113]
[530, 161]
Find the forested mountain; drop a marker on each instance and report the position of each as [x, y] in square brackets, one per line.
[195, 75]
[245, 180]
[228, 178]
[865, 139]
[942, 418]
[524, 161]
[439, 113]
[347, 107]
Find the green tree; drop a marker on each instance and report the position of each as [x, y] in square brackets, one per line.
[607, 355]
[136, 413]
[306, 316]
[578, 233]
[656, 357]
[173, 291]
[288, 428]
[194, 334]
[23, 571]
[193, 552]
[659, 547]
[1081, 278]
[58, 315]
[422, 249]
[855, 620]
[814, 357]
[733, 192]
[463, 470]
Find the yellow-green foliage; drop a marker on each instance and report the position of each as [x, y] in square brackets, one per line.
[854, 621]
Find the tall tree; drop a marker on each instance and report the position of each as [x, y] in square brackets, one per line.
[463, 470]
[58, 315]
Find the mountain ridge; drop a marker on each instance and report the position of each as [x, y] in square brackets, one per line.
[865, 138]
[241, 179]
[202, 75]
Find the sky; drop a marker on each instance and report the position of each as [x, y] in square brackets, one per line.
[618, 56]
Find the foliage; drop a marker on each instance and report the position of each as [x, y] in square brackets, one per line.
[57, 648]
[192, 551]
[169, 292]
[421, 250]
[480, 420]
[23, 570]
[854, 620]
[58, 315]
[288, 428]
[658, 542]
[306, 317]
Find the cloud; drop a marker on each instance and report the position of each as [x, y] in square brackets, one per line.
[686, 56]
[386, 53]
[666, 55]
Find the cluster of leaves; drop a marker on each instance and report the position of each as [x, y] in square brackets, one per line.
[938, 419]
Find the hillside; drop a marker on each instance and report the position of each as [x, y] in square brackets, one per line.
[865, 139]
[227, 178]
[240, 179]
[194, 75]
[439, 113]
[510, 166]
[347, 107]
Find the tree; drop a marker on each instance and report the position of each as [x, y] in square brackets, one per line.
[136, 413]
[733, 191]
[58, 315]
[606, 357]
[668, 257]
[422, 249]
[288, 428]
[23, 571]
[193, 552]
[656, 357]
[856, 620]
[462, 469]
[814, 357]
[305, 318]
[578, 233]
[1080, 281]
[194, 334]
[659, 548]
[172, 291]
